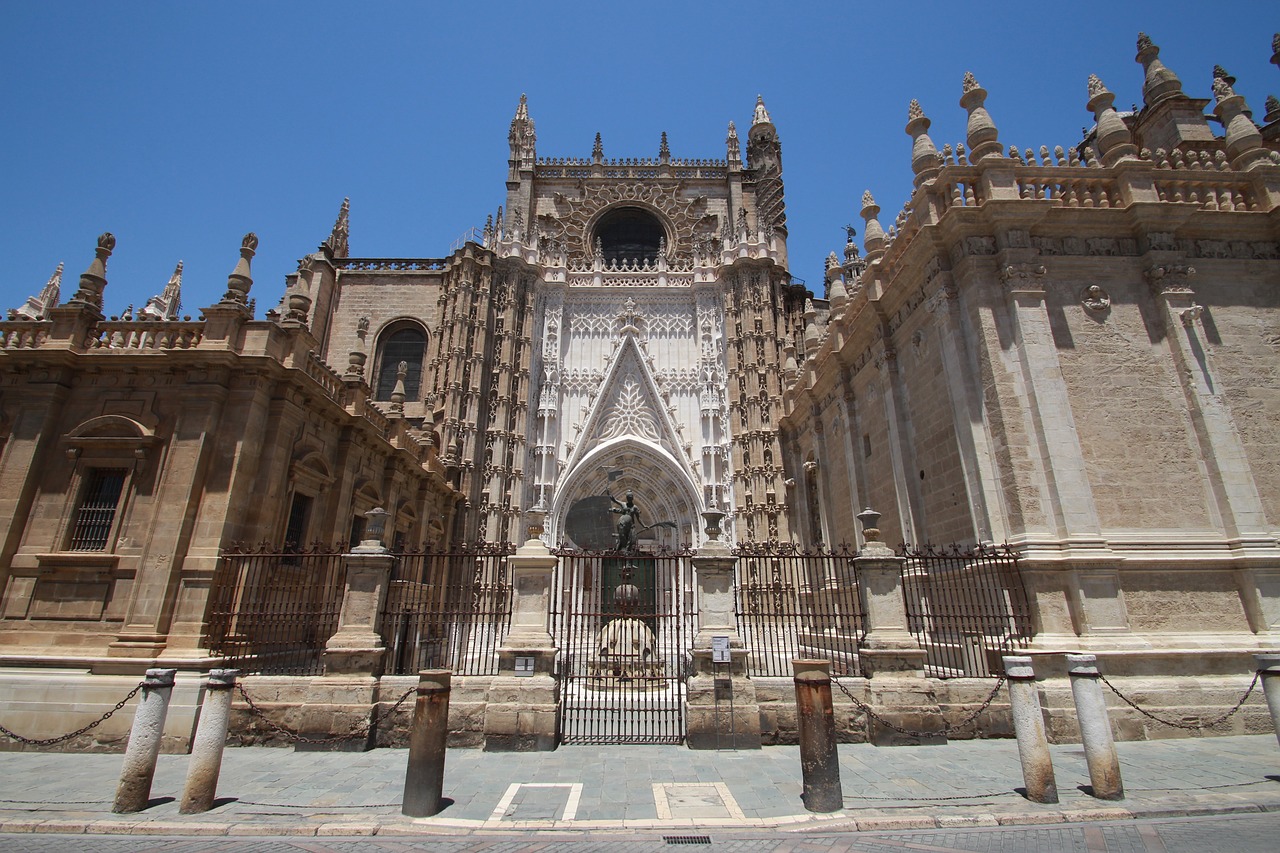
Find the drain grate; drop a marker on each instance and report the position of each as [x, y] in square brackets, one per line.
[687, 839]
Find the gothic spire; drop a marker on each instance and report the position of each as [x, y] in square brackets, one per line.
[37, 307]
[167, 305]
[761, 115]
[733, 148]
[522, 137]
[597, 150]
[339, 240]
[241, 278]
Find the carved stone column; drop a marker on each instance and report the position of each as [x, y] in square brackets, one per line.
[722, 712]
[521, 713]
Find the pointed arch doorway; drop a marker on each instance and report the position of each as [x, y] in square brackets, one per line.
[624, 620]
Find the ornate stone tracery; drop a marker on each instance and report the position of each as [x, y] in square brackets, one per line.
[685, 219]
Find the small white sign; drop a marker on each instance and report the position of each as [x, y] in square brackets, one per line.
[524, 665]
[720, 650]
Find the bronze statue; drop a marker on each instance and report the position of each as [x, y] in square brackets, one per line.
[628, 522]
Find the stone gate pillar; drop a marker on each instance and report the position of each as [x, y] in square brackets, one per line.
[343, 700]
[721, 707]
[521, 712]
[890, 656]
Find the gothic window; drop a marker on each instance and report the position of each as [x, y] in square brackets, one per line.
[629, 235]
[95, 517]
[406, 342]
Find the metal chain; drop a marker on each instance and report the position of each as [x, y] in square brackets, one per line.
[68, 736]
[294, 737]
[1177, 724]
[946, 728]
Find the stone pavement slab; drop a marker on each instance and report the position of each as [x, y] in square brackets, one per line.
[265, 791]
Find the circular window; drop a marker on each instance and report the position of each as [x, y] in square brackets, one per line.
[629, 235]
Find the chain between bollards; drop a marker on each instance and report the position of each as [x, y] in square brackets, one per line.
[1180, 725]
[294, 737]
[947, 728]
[50, 741]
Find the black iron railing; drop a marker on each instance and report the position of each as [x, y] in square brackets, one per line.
[794, 603]
[967, 607]
[448, 610]
[271, 611]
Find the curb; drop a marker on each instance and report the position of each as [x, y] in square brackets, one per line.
[845, 821]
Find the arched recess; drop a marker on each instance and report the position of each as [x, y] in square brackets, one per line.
[401, 340]
[664, 489]
[629, 234]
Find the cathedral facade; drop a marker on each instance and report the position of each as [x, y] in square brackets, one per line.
[1073, 352]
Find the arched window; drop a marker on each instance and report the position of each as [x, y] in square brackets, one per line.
[630, 235]
[407, 342]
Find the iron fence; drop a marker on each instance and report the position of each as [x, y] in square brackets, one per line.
[967, 607]
[793, 603]
[622, 623]
[448, 610]
[271, 611]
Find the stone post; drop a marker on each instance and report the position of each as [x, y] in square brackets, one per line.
[1269, 667]
[890, 656]
[424, 777]
[815, 716]
[1028, 727]
[521, 714]
[210, 739]
[134, 790]
[1095, 727]
[343, 701]
[721, 706]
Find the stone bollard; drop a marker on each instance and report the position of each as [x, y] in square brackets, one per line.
[819, 761]
[1028, 727]
[1095, 727]
[424, 778]
[1269, 667]
[134, 790]
[206, 748]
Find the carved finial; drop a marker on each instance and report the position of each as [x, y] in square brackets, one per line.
[664, 151]
[1220, 73]
[733, 147]
[925, 160]
[597, 150]
[1115, 142]
[1095, 86]
[1243, 141]
[522, 109]
[832, 261]
[93, 281]
[982, 134]
[398, 392]
[1222, 89]
[1273, 109]
[241, 278]
[1159, 82]
[338, 243]
[761, 115]
[873, 234]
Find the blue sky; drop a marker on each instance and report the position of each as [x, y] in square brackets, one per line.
[180, 126]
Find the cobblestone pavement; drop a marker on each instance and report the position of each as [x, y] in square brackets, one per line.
[1235, 834]
[949, 789]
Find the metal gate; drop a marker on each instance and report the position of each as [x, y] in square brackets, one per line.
[622, 623]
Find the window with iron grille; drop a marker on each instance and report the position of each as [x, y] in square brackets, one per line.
[96, 514]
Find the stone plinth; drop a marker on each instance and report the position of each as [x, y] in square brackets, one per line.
[889, 648]
[721, 707]
[521, 714]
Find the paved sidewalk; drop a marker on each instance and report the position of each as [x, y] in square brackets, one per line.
[266, 792]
